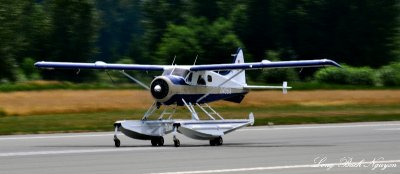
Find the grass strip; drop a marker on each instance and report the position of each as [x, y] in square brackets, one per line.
[54, 85]
[325, 119]
[282, 115]
[33, 86]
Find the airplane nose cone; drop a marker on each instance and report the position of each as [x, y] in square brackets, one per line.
[157, 88]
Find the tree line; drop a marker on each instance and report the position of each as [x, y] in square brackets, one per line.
[358, 33]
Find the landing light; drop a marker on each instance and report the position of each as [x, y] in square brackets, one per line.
[157, 88]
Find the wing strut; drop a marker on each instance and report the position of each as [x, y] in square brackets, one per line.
[150, 111]
[191, 109]
[135, 80]
[211, 112]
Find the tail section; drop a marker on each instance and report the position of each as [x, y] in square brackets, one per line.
[238, 59]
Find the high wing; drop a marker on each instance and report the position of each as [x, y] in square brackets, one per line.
[213, 67]
[266, 64]
[99, 65]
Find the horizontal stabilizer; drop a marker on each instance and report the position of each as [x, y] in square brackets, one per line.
[251, 118]
[284, 87]
[266, 87]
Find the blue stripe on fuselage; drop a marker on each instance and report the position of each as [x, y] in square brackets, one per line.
[177, 80]
[192, 98]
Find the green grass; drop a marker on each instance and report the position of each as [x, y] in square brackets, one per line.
[82, 122]
[326, 119]
[32, 86]
[2, 113]
[103, 121]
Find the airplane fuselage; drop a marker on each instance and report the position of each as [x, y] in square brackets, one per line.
[171, 88]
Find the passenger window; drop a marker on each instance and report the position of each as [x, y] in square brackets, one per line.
[201, 81]
[209, 78]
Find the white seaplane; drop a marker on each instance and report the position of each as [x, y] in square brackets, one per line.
[191, 86]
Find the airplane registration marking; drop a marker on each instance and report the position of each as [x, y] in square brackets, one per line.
[226, 90]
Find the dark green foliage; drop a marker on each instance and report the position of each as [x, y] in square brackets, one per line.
[16, 32]
[347, 75]
[390, 74]
[48, 30]
[358, 33]
[362, 76]
[73, 34]
[119, 29]
[210, 33]
[331, 75]
[29, 71]
[212, 42]
[156, 17]
[280, 75]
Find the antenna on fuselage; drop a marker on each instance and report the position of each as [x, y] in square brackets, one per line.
[173, 60]
[195, 60]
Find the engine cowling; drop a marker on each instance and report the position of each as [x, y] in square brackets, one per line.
[161, 89]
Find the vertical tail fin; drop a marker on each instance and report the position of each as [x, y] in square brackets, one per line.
[238, 59]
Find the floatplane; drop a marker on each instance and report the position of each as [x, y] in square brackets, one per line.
[190, 86]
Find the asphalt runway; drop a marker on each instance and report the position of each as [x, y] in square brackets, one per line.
[325, 148]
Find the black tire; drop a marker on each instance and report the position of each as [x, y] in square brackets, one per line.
[177, 143]
[160, 141]
[153, 142]
[219, 141]
[212, 142]
[117, 142]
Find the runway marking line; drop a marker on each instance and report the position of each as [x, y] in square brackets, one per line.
[389, 129]
[282, 167]
[54, 137]
[14, 154]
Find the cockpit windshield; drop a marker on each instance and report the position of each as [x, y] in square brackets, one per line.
[176, 72]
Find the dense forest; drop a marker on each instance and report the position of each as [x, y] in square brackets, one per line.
[353, 32]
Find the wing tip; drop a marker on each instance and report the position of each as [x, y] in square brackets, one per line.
[331, 62]
[38, 64]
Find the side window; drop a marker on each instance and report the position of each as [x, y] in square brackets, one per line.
[201, 81]
[209, 78]
[189, 79]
